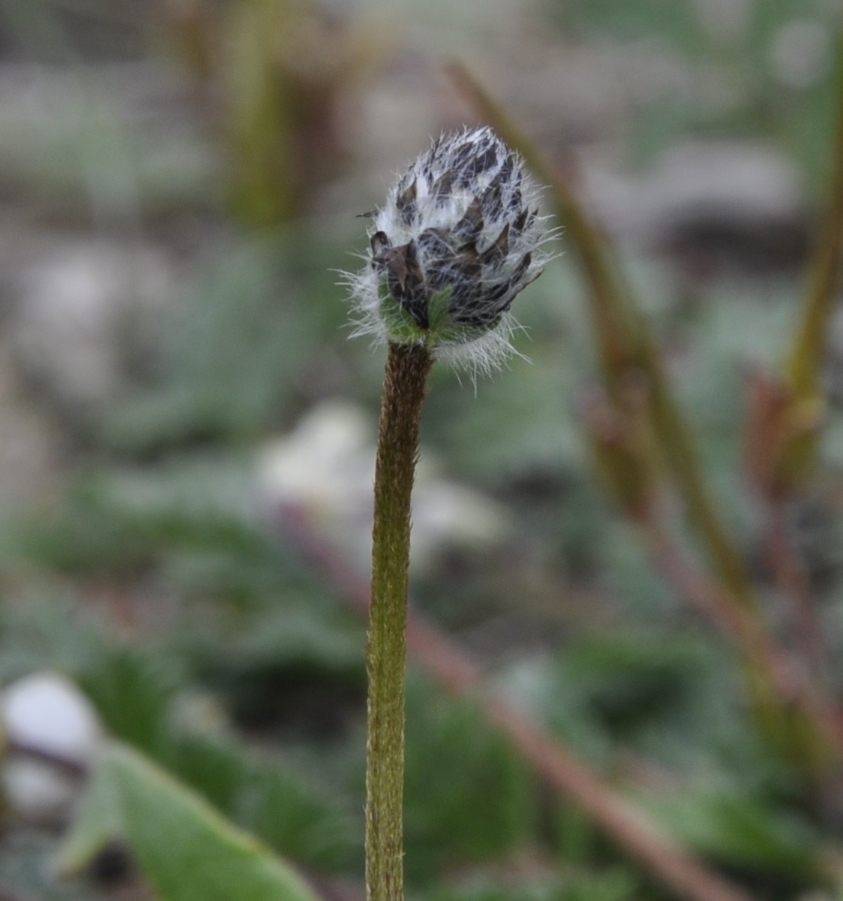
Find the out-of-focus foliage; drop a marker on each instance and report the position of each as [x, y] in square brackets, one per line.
[136, 702]
[153, 570]
[455, 815]
[757, 69]
[243, 354]
[184, 849]
[613, 886]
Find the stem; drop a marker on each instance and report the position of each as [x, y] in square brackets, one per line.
[407, 369]
[613, 325]
[657, 852]
[785, 696]
[808, 353]
[682, 457]
[792, 580]
[625, 344]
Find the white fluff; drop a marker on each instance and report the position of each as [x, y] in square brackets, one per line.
[457, 239]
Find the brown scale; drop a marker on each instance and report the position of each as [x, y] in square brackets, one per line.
[471, 224]
[516, 199]
[491, 200]
[405, 280]
[405, 203]
[460, 157]
[521, 222]
[445, 265]
[442, 188]
[513, 285]
[481, 163]
[523, 266]
[506, 167]
[498, 250]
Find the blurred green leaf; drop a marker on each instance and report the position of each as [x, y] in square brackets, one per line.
[234, 362]
[611, 885]
[117, 520]
[186, 850]
[730, 56]
[737, 829]
[468, 796]
[607, 690]
[216, 768]
[98, 822]
[676, 23]
[295, 821]
[269, 800]
[132, 691]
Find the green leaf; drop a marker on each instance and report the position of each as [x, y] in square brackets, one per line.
[275, 804]
[132, 691]
[575, 885]
[217, 769]
[231, 363]
[294, 820]
[97, 824]
[741, 830]
[468, 796]
[186, 850]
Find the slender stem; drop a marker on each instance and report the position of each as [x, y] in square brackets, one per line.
[785, 694]
[656, 851]
[614, 328]
[625, 344]
[808, 353]
[407, 369]
[681, 454]
[792, 581]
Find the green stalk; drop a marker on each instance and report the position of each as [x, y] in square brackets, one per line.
[404, 390]
[809, 351]
[808, 355]
[625, 345]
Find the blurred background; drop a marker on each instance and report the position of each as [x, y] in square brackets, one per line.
[186, 432]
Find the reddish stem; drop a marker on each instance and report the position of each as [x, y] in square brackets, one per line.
[787, 675]
[452, 667]
[792, 581]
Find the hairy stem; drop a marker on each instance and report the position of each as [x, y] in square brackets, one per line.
[407, 369]
[619, 818]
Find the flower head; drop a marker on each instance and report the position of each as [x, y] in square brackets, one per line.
[457, 239]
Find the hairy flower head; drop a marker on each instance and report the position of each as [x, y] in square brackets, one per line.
[457, 239]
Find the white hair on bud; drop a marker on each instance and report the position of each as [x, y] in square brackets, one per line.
[458, 238]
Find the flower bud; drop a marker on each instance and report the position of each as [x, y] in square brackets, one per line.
[457, 239]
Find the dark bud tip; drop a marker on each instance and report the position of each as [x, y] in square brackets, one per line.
[379, 242]
[405, 203]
